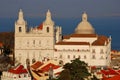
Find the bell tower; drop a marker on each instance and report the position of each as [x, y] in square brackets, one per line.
[20, 24]
[48, 24]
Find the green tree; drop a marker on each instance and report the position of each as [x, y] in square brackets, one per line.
[6, 50]
[78, 70]
[94, 78]
[65, 75]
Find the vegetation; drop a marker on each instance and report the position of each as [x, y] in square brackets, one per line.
[7, 39]
[76, 70]
[65, 75]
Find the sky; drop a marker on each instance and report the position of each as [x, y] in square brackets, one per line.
[60, 8]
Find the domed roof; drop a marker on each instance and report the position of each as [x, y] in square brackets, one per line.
[84, 27]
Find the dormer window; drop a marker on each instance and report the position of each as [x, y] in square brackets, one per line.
[47, 29]
[20, 29]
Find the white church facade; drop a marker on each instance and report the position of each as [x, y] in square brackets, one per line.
[46, 42]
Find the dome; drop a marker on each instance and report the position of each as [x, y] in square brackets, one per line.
[84, 27]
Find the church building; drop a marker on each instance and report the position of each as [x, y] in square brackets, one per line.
[45, 42]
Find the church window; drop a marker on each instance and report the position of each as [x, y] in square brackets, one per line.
[68, 56]
[101, 57]
[93, 57]
[28, 44]
[19, 57]
[39, 43]
[33, 60]
[33, 41]
[60, 56]
[85, 57]
[101, 51]
[47, 29]
[27, 62]
[73, 56]
[93, 51]
[20, 29]
[61, 62]
[79, 57]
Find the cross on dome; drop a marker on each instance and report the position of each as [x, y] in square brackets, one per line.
[84, 16]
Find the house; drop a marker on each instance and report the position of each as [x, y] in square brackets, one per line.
[16, 73]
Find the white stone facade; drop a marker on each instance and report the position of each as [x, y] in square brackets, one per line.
[45, 41]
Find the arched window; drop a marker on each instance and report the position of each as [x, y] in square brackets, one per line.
[47, 29]
[73, 56]
[68, 56]
[79, 56]
[93, 51]
[34, 43]
[61, 62]
[101, 51]
[60, 56]
[85, 57]
[33, 60]
[93, 56]
[20, 29]
[27, 62]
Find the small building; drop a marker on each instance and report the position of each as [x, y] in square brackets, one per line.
[43, 71]
[17, 73]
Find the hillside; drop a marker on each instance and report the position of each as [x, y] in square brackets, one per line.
[7, 38]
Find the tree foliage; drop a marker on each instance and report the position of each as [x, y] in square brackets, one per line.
[94, 78]
[77, 70]
[6, 50]
[65, 75]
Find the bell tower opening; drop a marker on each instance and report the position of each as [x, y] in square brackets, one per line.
[48, 30]
[20, 29]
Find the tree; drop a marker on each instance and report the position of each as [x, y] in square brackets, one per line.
[65, 75]
[6, 50]
[94, 78]
[78, 70]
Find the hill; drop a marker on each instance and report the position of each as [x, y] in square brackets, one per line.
[7, 38]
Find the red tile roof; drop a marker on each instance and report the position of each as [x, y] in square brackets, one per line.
[73, 43]
[37, 72]
[40, 27]
[117, 77]
[101, 41]
[19, 70]
[37, 65]
[79, 35]
[110, 72]
[47, 67]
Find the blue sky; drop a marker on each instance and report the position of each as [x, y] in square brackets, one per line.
[60, 8]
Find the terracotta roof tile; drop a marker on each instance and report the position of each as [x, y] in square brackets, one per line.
[73, 43]
[101, 40]
[109, 72]
[79, 35]
[36, 72]
[40, 27]
[37, 65]
[19, 70]
[117, 77]
[47, 67]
